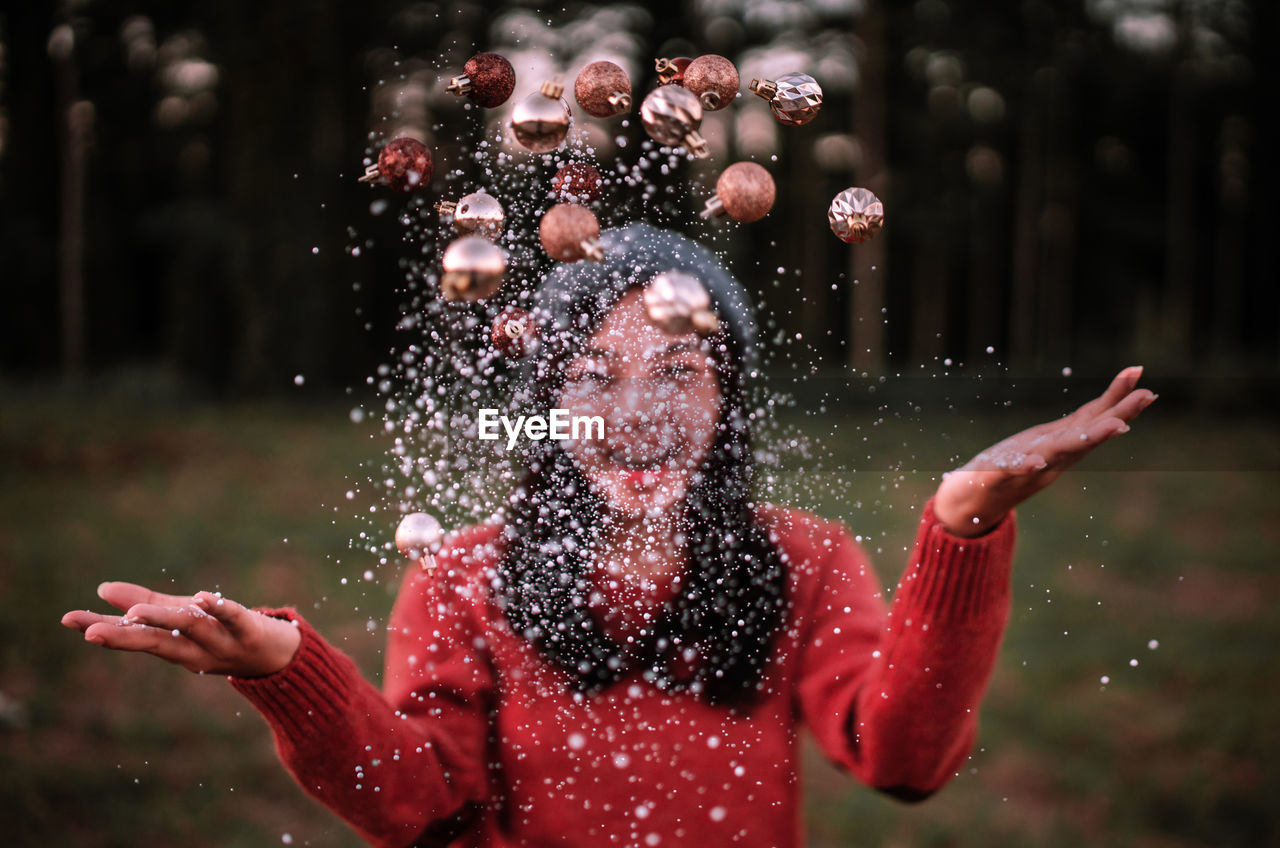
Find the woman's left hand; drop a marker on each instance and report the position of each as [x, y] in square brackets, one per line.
[976, 497]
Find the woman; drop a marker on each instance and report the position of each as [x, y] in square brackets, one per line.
[627, 658]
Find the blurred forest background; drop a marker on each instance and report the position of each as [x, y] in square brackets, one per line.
[197, 292]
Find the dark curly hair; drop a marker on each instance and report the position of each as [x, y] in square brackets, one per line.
[715, 636]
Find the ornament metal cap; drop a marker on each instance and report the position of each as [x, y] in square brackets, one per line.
[459, 86]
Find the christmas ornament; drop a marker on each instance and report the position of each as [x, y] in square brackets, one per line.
[745, 192]
[794, 98]
[403, 165]
[671, 71]
[603, 89]
[487, 78]
[671, 116]
[475, 213]
[513, 332]
[714, 79]
[855, 215]
[419, 537]
[541, 121]
[577, 181]
[473, 269]
[570, 232]
[678, 303]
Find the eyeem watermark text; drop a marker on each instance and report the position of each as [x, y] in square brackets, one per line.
[559, 425]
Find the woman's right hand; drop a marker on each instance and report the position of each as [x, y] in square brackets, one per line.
[202, 632]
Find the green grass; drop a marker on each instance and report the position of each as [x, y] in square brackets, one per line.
[1173, 537]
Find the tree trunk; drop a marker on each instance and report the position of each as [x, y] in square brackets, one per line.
[867, 260]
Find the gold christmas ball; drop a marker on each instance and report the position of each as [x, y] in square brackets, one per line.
[677, 303]
[714, 79]
[477, 213]
[672, 115]
[745, 192]
[570, 232]
[855, 215]
[541, 122]
[603, 90]
[473, 269]
[419, 535]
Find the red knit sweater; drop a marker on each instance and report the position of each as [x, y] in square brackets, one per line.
[476, 739]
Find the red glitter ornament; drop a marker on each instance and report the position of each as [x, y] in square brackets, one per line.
[570, 232]
[577, 182]
[403, 165]
[671, 71]
[513, 332]
[714, 79]
[487, 78]
[603, 89]
[745, 192]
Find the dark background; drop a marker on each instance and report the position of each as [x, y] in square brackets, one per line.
[1080, 184]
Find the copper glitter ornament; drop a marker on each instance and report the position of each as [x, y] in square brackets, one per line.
[513, 332]
[419, 537]
[487, 78]
[570, 232]
[794, 98]
[473, 269]
[477, 213]
[541, 121]
[855, 215]
[745, 192]
[404, 164]
[671, 71]
[672, 116]
[603, 89]
[678, 303]
[714, 79]
[577, 182]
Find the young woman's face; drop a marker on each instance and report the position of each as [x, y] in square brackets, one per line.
[660, 400]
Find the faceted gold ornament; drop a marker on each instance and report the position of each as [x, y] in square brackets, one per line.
[794, 98]
[672, 115]
[855, 215]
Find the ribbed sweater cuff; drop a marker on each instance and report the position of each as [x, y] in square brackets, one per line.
[308, 694]
[953, 577]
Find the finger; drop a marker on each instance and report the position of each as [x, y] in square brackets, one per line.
[142, 639]
[124, 595]
[231, 614]
[1131, 405]
[184, 619]
[82, 619]
[1122, 385]
[1073, 444]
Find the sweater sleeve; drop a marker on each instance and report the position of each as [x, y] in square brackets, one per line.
[893, 697]
[406, 766]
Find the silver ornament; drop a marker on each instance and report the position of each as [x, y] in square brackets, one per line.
[855, 215]
[473, 269]
[672, 116]
[794, 98]
[477, 213]
[541, 121]
[678, 303]
[419, 536]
